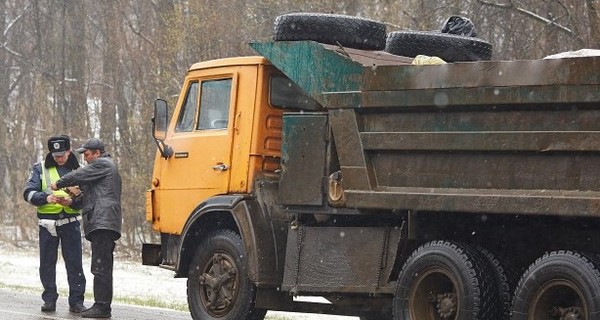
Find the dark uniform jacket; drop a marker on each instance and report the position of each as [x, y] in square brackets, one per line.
[100, 185]
[34, 194]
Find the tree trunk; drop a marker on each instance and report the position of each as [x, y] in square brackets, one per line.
[594, 17]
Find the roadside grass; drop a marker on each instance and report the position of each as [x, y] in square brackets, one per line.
[17, 288]
[149, 302]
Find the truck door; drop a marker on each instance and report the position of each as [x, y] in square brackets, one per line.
[201, 138]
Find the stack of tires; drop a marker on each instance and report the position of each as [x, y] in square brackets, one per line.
[365, 34]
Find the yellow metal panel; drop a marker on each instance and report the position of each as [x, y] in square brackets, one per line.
[227, 62]
[265, 149]
[243, 131]
[149, 206]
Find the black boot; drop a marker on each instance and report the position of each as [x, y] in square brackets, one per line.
[98, 310]
[77, 308]
[49, 306]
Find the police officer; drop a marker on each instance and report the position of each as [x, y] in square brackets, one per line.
[58, 214]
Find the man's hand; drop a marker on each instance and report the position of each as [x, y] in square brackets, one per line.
[53, 187]
[73, 191]
[64, 201]
[52, 198]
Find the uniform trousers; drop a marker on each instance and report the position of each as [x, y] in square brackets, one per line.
[69, 238]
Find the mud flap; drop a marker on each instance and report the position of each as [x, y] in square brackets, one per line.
[151, 255]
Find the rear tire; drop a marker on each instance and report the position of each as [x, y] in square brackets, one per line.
[446, 280]
[218, 283]
[348, 31]
[565, 282]
[505, 281]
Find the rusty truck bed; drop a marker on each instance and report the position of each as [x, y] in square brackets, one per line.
[490, 137]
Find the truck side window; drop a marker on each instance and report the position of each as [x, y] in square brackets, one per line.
[215, 99]
[185, 122]
[285, 93]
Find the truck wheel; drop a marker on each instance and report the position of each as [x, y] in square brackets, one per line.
[348, 31]
[504, 278]
[559, 285]
[218, 283]
[448, 47]
[446, 281]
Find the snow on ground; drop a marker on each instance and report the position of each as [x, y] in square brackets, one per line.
[133, 283]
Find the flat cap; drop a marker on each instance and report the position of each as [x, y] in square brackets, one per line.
[91, 144]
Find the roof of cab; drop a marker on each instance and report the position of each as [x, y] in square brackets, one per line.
[237, 61]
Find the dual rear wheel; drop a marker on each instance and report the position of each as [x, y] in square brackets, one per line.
[561, 285]
[453, 281]
[448, 281]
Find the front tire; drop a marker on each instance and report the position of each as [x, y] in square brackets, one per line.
[444, 280]
[559, 285]
[218, 283]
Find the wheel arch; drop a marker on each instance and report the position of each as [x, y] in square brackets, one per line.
[243, 215]
[212, 214]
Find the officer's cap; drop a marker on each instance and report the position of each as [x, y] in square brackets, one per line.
[59, 145]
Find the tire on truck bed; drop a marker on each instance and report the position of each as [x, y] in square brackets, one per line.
[448, 47]
[334, 29]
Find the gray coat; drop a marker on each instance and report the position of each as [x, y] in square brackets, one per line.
[100, 184]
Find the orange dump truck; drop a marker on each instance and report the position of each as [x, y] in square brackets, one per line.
[466, 190]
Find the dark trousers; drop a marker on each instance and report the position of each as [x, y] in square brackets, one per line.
[103, 246]
[69, 237]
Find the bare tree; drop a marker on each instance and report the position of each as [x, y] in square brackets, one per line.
[545, 26]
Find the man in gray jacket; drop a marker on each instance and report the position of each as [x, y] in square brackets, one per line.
[100, 184]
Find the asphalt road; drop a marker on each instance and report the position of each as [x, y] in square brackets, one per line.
[24, 306]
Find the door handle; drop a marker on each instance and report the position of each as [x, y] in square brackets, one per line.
[220, 167]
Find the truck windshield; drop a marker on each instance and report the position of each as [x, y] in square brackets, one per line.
[285, 93]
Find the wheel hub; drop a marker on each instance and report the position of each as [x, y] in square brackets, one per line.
[218, 284]
[446, 305]
[571, 313]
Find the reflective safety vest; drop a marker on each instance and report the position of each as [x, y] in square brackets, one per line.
[50, 176]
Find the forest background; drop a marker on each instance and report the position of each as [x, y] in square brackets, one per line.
[90, 68]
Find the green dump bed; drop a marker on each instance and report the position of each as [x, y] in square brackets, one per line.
[517, 137]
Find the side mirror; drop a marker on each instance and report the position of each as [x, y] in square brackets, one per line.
[160, 121]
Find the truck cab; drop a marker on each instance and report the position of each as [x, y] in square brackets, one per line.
[223, 133]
